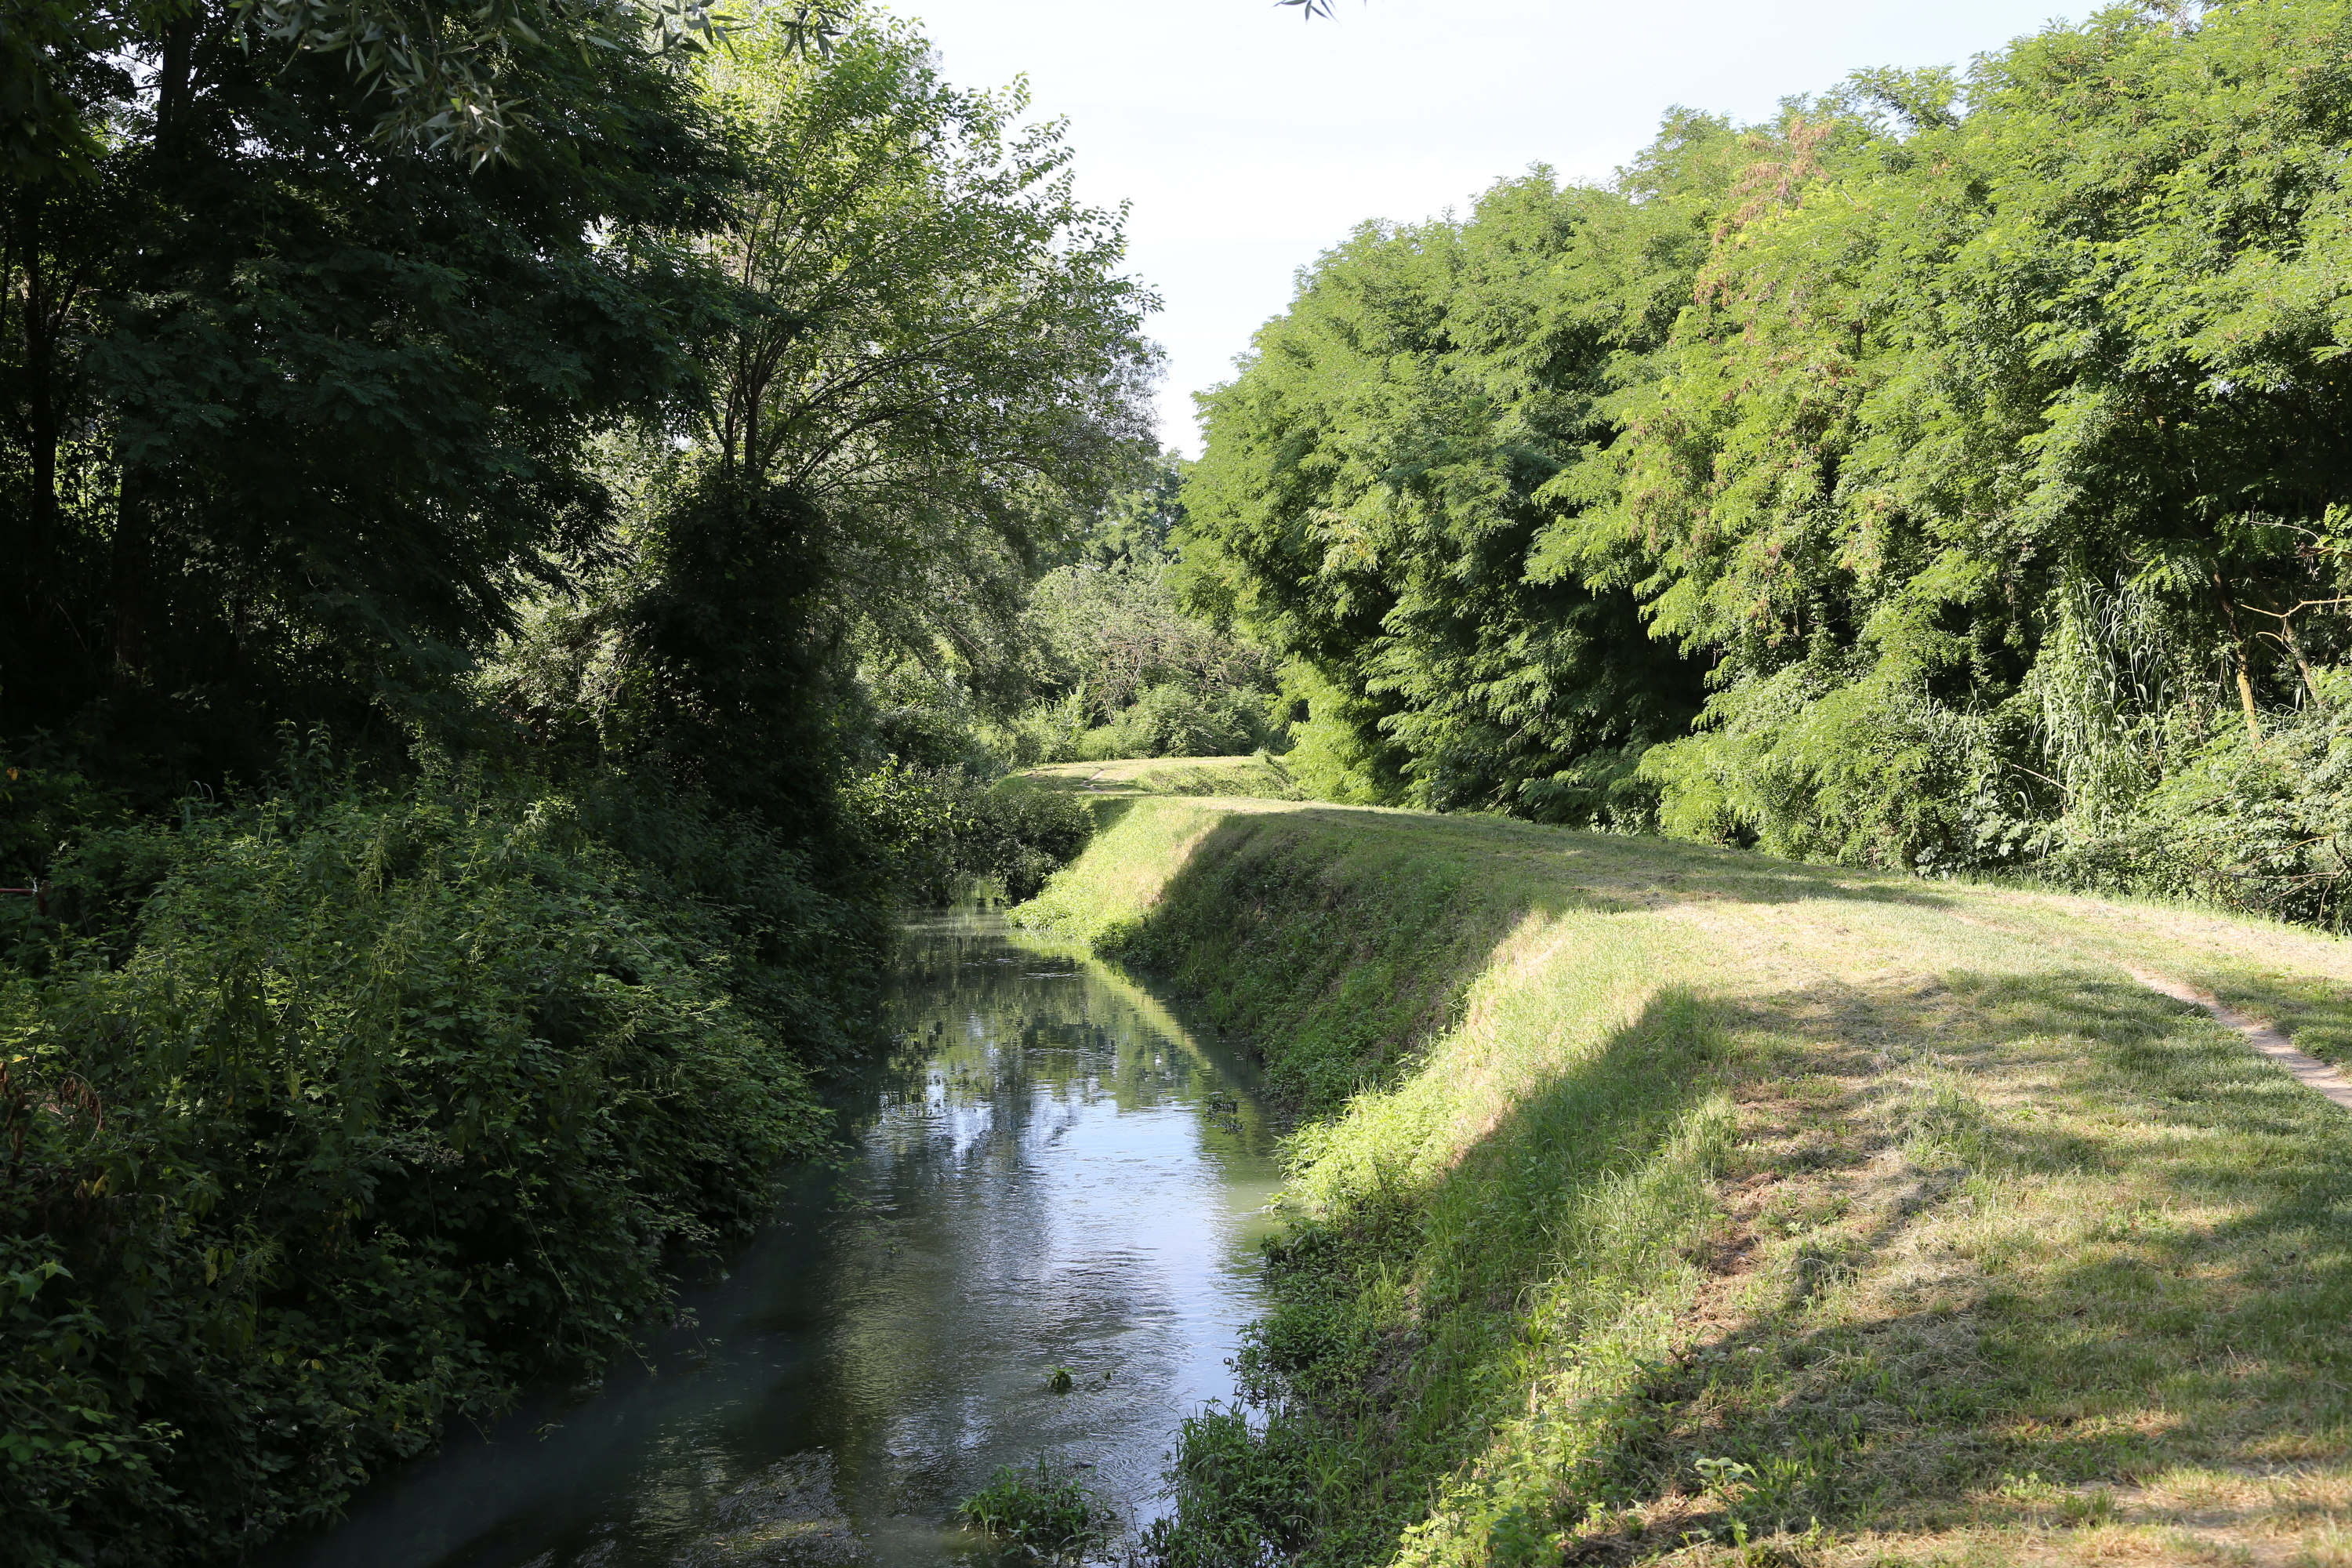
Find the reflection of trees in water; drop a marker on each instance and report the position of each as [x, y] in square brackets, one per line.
[945, 1268]
[992, 1003]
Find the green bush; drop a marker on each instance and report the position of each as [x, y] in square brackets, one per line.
[948, 832]
[2262, 828]
[1178, 721]
[803, 929]
[374, 1105]
[1870, 773]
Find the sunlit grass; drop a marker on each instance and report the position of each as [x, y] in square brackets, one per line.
[1260, 776]
[1655, 1201]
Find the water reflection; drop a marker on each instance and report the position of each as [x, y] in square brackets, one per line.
[1050, 1171]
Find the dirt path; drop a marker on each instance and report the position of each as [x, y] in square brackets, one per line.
[2309, 1071]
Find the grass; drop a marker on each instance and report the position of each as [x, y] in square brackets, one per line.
[1657, 1203]
[1260, 776]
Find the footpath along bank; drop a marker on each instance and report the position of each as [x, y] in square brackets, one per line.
[1650, 1200]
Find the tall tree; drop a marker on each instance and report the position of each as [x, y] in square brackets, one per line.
[932, 373]
[290, 400]
[1378, 476]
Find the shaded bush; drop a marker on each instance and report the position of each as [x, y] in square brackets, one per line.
[2260, 829]
[375, 1105]
[947, 832]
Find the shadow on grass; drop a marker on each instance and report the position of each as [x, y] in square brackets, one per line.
[1376, 1370]
[1339, 955]
[2117, 1244]
[1626, 873]
[1109, 811]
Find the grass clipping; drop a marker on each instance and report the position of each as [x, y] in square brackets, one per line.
[1659, 1203]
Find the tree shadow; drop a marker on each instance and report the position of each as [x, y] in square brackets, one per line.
[2108, 1243]
[1628, 872]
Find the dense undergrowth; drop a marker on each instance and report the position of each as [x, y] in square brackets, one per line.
[1655, 1201]
[333, 1115]
[338, 1113]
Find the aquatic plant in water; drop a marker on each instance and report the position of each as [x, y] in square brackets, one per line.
[1047, 1516]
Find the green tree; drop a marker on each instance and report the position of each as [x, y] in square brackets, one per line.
[1961, 429]
[1953, 389]
[291, 410]
[1379, 476]
[930, 374]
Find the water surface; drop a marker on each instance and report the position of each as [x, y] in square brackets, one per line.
[1051, 1171]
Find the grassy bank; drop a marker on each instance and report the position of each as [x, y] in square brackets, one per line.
[1261, 777]
[1659, 1201]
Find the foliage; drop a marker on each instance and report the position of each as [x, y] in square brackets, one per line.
[532, 387]
[1376, 479]
[2262, 829]
[294, 414]
[1048, 1517]
[798, 931]
[1131, 660]
[948, 833]
[1955, 427]
[375, 1104]
[439, 70]
[939, 356]
[925, 382]
[1965, 408]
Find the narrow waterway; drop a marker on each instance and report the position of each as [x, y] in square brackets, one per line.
[1052, 1170]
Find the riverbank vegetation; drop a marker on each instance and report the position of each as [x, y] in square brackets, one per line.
[1653, 1200]
[1928, 478]
[518, 529]
[535, 529]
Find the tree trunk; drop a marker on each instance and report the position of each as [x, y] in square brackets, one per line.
[2286, 635]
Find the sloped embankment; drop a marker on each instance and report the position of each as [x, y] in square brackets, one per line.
[1652, 1200]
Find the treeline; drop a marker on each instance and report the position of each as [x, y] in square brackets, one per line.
[478, 481]
[1125, 666]
[1950, 474]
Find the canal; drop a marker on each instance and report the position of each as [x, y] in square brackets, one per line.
[1050, 1171]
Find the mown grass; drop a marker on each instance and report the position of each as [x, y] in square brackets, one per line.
[1652, 1202]
[1260, 776]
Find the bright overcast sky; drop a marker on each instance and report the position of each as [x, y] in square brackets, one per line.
[1249, 140]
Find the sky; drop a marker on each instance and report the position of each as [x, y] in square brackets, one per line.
[1247, 140]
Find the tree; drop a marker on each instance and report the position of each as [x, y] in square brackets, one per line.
[1378, 476]
[290, 408]
[931, 373]
[1953, 389]
[1962, 430]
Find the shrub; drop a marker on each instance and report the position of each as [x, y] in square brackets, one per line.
[375, 1105]
[948, 832]
[2262, 828]
[803, 929]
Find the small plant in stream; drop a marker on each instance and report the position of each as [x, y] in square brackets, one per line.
[1044, 1515]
